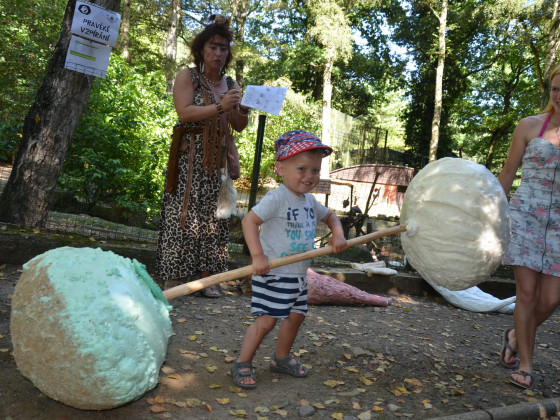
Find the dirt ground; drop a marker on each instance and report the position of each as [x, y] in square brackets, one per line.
[420, 358]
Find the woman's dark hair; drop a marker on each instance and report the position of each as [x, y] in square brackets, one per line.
[218, 25]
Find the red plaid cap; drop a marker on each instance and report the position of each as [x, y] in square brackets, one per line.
[296, 141]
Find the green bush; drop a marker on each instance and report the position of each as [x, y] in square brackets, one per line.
[120, 149]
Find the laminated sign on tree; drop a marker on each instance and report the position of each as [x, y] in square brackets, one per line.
[94, 32]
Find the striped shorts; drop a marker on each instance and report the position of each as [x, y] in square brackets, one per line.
[277, 296]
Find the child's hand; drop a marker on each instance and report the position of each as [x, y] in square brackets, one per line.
[260, 265]
[338, 243]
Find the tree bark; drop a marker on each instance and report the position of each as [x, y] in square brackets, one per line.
[240, 13]
[124, 38]
[171, 45]
[326, 117]
[552, 46]
[47, 134]
[438, 101]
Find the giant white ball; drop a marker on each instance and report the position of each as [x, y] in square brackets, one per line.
[457, 218]
[86, 328]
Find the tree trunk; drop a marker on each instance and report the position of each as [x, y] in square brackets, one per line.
[171, 45]
[240, 13]
[124, 38]
[47, 134]
[327, 100]
[436, 121]
[552, 46]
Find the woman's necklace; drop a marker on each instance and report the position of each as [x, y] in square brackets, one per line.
[211, 82]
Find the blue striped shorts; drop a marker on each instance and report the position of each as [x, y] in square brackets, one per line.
[277, 296]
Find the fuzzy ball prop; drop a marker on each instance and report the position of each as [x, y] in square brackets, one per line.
[87, 329]
[457, 219]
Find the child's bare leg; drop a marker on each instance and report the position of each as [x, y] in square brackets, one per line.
[287, 334]
[252, 340]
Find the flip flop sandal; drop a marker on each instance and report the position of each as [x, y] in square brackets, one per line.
[239, 375]
[507, 346]
[283, 365]
[521, 384]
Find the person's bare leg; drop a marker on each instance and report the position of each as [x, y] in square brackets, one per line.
[545, 290]
[524, 319]
[254, 336]
[211, 291]
[287, 334]
[548, 301]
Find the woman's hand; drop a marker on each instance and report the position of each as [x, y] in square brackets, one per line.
[231, 99]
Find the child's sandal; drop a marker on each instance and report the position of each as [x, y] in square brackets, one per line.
[238, 375]
[283, 365]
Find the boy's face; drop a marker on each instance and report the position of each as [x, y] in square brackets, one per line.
[302, 172]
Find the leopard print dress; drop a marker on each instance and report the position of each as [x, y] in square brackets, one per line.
[202, 245]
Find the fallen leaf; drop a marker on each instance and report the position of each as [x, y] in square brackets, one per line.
[365, 381]
[242, 394]
[262, 410]
[413, 381]
[238, 412]
[193, 402]
[458, 392]
[337, 416]
[156, 400]
[174, 376]
[377, 409]
[333, 382]
[211, 369]
[282, 413]
[222, 401]
[157, 409]
[215, 386]
[181, 320]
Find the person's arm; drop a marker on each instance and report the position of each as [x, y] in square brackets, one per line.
[250, 225]
[515, 154]
[337, 241]
[239, 115]
[183, 98]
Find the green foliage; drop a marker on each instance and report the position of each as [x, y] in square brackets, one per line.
[120, 149]
[298, 113]
[29, 31]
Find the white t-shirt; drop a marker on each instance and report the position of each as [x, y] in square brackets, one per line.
[289, 227]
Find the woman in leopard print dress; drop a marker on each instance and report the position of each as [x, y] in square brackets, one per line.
[192, 241]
